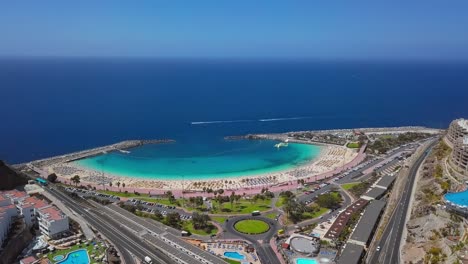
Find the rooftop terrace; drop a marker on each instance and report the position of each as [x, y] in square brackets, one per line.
[52, 213]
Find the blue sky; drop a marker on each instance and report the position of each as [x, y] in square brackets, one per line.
[298, 29]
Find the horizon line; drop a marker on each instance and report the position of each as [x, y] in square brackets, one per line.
[241, 58]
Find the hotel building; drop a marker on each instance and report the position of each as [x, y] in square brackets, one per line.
[457, 129]
[52, 222]
[28, 207]
[459, 157]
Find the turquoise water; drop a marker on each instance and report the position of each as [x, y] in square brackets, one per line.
[306, 261]
[76, 257]
[460, 198]
[218, 159]
[59, 257]
[234, 255]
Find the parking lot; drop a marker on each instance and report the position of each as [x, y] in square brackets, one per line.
[148, 207]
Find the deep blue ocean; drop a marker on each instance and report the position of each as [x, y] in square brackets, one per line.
[56, 106]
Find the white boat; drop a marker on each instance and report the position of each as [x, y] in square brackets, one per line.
[282, 144]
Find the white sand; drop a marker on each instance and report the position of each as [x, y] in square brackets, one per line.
[330, 158]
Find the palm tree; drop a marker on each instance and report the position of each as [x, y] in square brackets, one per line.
[232, 198]
[118, 185]
[123, 185]
[75, 179]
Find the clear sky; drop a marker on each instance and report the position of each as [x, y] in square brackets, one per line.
[241, 28]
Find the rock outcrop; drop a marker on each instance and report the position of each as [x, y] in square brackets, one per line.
[9, 178]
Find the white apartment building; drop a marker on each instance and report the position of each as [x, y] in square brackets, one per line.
[52, 221]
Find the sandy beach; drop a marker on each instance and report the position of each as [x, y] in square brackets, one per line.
[330, 158]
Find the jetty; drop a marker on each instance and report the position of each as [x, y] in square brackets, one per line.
[122, 147]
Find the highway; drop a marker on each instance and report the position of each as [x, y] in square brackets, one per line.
[127, 242]
[391, 238]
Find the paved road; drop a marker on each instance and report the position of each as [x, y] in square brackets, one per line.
[128, 243]
[168, 239]
[261, 242]
[391, 238]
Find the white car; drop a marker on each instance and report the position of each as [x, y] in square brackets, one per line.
[378, 248]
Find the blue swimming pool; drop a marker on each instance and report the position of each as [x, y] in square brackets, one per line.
[234, 255]
[459, 198]
[306, 261]
[76, 257]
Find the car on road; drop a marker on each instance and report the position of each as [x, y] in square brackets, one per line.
[378, 248]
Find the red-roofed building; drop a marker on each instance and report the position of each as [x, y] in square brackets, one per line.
[15, 195]
[340, 222]
[52, 221]
[28, 208]
[29, 260]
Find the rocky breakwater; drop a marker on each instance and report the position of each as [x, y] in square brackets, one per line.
[249, 136]
[97, 151]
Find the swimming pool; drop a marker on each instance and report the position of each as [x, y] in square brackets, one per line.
[234, 255]
[306, 261]
[76, 257]
[59, 257]
[459, 198]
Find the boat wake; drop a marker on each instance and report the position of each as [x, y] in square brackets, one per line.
[219, 122]
[249, 120]
[284, 119]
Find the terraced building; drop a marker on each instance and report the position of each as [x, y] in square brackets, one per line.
[457, 129]
[459, 157]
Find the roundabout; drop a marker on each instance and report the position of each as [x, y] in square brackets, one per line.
[251, 226]
[261, 241]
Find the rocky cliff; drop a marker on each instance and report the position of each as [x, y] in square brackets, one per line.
[9, 178]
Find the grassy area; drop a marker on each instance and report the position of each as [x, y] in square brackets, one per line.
[188, 226]
[99, 251]
[353, 145]
[280, 202]
[123, 194]
[166, 201]
[252, 226]
[360, 188]
[219, 219]
[271, 215]
[307, 215]
[243, 207]
[230, 261]
[350, 185]
[336, 194]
